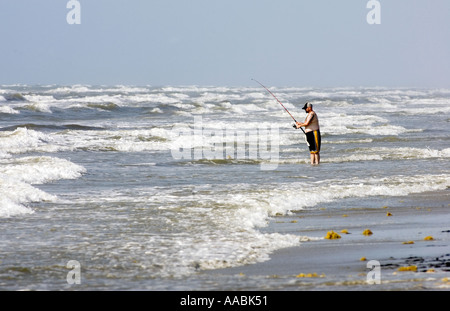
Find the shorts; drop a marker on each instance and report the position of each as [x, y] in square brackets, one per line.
[314, 141]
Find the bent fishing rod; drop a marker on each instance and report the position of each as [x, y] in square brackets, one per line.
[280, 104]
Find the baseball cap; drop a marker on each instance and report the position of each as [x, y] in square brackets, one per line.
[307, 105]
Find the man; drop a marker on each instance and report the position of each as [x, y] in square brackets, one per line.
[312, 130]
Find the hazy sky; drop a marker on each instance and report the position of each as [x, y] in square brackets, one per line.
[210, 42]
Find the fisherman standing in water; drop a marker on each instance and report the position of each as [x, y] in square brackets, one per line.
[312, 130]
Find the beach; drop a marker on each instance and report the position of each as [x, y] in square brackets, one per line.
[398, 242]
[165, 147]
[181, 188]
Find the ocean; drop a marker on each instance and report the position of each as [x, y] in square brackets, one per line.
[148, 188]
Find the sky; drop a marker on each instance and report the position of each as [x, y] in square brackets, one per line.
[314, 43]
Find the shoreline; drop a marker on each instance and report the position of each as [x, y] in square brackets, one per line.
[398, 242]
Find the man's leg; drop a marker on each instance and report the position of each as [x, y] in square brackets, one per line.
[317, 158]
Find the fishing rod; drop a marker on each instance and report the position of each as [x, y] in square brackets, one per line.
[280, 104]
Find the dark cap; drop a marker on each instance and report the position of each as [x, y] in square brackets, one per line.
[307, 105]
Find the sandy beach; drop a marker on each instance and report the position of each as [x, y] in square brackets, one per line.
[410, 239]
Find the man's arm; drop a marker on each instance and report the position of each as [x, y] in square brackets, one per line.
[307, 121]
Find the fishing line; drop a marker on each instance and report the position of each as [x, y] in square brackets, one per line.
[282, 106]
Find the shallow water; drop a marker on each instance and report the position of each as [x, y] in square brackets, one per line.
[147, 186]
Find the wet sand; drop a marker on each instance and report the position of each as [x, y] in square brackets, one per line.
[400, 240]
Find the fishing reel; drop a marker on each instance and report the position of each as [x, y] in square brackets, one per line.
[295, 126]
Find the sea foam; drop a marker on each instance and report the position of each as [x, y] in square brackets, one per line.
[17, 175]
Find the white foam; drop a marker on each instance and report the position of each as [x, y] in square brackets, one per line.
[9, 208]
[39, 170]
[384, 153]
[121, 140]
[23, 140]
[90, 89]
[35, 98]
[72, 89]
[156, 110]
[207, 237]
[7, 109]
[349, 141]
[218, 227]
[342, 124]
[413, 153]
[256, 207]
[426, 107]
[39, 107]
[247, 108]
[18, 174]
[15, 195]
[288, 199]
[236, 240]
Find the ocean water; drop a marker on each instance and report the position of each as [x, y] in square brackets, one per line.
[149, 187]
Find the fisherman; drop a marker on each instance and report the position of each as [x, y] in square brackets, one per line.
[312, 130]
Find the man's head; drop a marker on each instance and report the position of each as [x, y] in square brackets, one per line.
[307, 107]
